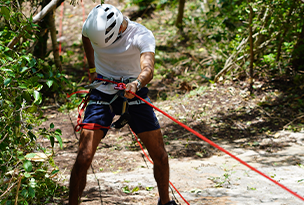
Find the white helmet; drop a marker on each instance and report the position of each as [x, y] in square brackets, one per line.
[102, 25]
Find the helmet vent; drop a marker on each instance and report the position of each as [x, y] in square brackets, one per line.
[107, 39]
[107, 9]
[110, 15]
[110, 27]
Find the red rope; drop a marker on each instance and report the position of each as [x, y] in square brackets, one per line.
[153, 163]
[94, 126]
[211, 143]
[220, 148]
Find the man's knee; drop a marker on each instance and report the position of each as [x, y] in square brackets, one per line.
[83, 159]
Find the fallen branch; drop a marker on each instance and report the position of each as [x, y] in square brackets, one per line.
[18, 187]
[74, 2]
[193, 57]
[9, 189]
[293, 121]
[229, 62]
[36, 18]
[3, 138]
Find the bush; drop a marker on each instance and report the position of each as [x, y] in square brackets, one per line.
[27, 169]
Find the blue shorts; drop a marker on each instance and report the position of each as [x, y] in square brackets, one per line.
[142, 115]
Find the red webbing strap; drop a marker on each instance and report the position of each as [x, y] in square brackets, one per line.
[220, 148]
[79, 91]
[109, 81]
[83, 104]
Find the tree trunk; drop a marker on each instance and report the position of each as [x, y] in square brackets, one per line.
[180, 15]
[285, 29]
[298, 57]
[251, 50]
[54, 40]
[41, 47]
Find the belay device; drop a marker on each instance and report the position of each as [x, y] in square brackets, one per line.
[125, 116]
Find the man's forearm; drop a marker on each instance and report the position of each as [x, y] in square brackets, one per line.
[147, 68]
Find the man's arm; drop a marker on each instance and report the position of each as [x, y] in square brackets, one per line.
[146, 74]
[89, 51]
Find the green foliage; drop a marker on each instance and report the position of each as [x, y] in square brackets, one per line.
[276, 27]
[23, 79]
[220, 30]
[142, 4]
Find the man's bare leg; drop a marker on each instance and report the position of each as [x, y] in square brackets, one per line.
[153, 140]
[89, 140]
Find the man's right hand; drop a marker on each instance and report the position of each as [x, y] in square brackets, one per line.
[92, 77]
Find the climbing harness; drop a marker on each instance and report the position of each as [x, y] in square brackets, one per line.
[124, 116]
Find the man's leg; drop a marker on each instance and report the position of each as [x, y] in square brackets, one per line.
[153, 140]
[89, 140]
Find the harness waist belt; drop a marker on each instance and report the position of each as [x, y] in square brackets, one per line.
[99, 102]
[96, 84]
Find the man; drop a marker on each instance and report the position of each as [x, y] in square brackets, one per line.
[123, 51]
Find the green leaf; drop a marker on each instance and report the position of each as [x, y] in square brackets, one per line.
[59, 140]
[30, 155]
[199, 154]
[37, 97]
[136, 189]
[196, 191]
[52, 125]
[149, 188]
[49, 83]
[51, 73]
[27, 175]
[23, 69]
[58, 132]
[40, 170]
[27, 165]
[22, 86]
[32, 62]
[40, 75]
[55, 171]
[126, 190]
[39, 87]
[32, 109]
[32, 136]
[24, 193]
[52, 141]
[31, 192]
[27, 58]
[7, 81]
[5, 12]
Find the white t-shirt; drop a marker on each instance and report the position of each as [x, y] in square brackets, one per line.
[122, 58]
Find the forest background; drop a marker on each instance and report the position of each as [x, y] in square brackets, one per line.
[256, 44]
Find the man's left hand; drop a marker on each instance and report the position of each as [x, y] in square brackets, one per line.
[130, 87]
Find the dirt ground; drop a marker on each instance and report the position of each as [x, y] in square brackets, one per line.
[200, 172]
[251, 128]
